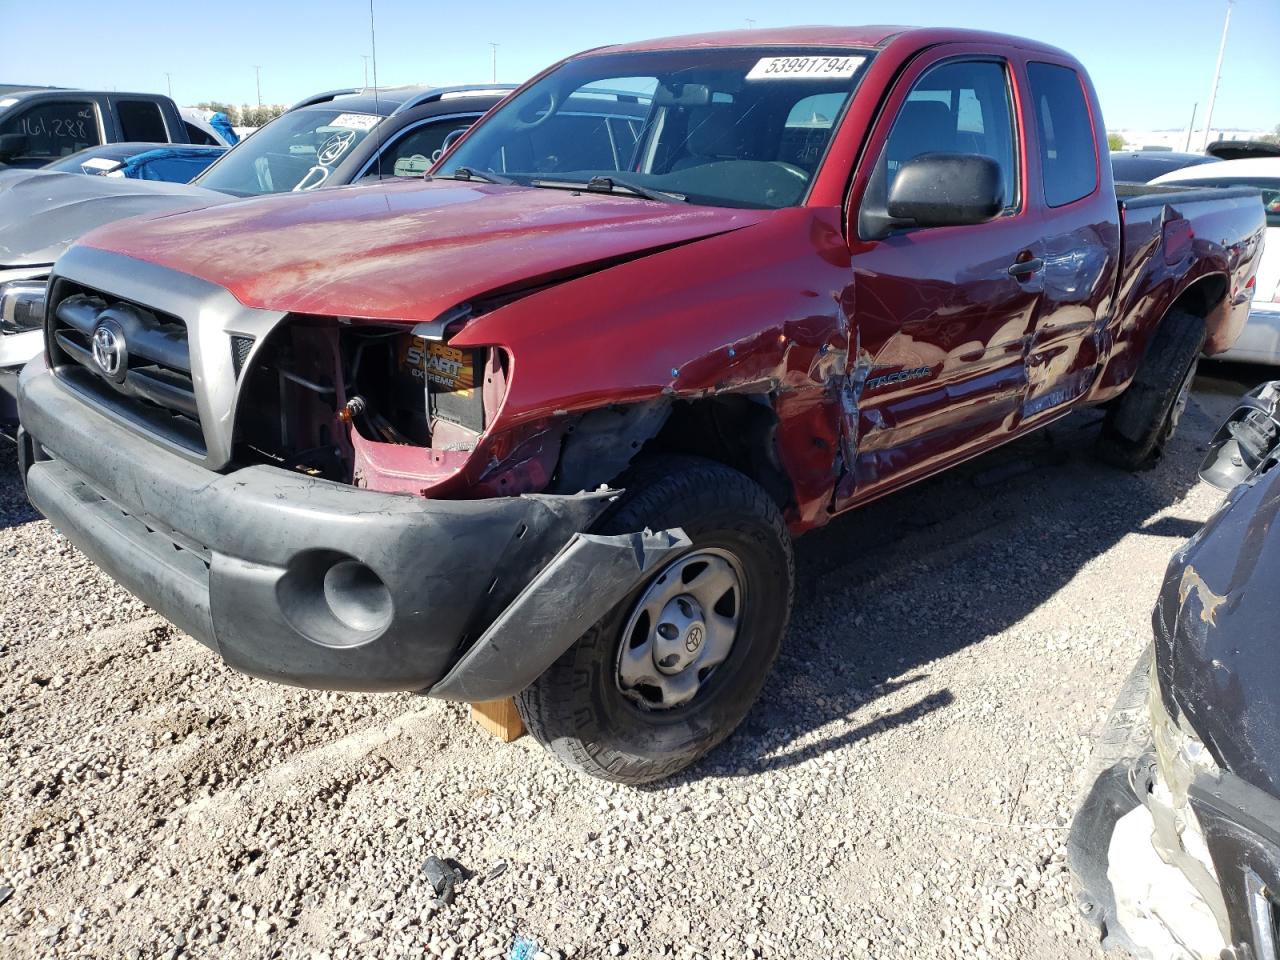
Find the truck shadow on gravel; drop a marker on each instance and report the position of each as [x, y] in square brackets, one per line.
[887, 590]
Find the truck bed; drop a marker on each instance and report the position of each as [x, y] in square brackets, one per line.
[1170, 236]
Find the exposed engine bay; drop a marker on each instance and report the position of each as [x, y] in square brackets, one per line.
[340, 388]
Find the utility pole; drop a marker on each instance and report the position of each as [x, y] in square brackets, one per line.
[1217, 75]
[751, 24]
[168, 78]
[365, 58]
[493, 50]
[257, 77]
[1186, 147]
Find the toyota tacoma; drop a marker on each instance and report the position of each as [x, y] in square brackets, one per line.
[545, 424]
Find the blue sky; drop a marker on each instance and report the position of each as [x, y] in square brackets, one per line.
[1151, 59]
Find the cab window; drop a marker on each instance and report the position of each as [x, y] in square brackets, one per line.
[53, 129]
[1068, 153]
[957, 107]
[141, 122]
[414, 151]
[808, 128]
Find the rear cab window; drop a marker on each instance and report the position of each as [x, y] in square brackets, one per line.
[54, 128]
[1068, 150]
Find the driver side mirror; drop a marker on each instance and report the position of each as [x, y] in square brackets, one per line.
[12, 145]
[946, 190]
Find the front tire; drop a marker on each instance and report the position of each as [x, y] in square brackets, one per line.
[1144, 417]
[661, 679]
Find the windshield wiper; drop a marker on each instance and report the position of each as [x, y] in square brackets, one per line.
[466, 173]
[613, 184]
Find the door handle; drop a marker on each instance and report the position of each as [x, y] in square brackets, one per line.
[1025, 268]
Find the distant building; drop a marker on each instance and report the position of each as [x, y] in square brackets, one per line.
[1177, 139]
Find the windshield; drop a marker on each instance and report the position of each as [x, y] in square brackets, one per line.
[297, 151]
[737, 127]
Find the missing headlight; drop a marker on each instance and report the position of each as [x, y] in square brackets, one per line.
[449, 378]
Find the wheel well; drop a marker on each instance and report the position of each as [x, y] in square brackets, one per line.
[736, 430]
[1203, 296]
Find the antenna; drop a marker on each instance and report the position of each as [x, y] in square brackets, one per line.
[1217, 75]
[377, 130]
[168, 78]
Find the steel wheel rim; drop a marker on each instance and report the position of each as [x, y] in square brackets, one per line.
[681, 629]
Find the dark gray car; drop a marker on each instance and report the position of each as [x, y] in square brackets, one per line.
[1176, 848]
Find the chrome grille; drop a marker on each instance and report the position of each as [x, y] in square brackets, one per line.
[127, 358]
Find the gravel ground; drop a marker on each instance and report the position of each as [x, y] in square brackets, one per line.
[903, 788]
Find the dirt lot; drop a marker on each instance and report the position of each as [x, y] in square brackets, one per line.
[903, 788]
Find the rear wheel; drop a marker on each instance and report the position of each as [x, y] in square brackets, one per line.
[1144, 417]
[673, 669]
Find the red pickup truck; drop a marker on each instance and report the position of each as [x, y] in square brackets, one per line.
[544, 425]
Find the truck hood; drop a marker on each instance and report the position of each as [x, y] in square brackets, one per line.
[43, 212]
[409, 250]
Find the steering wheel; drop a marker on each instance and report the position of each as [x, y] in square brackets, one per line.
[552, 100]
[792, 169]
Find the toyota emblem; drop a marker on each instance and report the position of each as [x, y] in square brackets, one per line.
[693, 639]
[109, 349]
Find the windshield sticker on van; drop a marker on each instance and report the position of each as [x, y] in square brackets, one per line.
[788, 68]
[355, 121]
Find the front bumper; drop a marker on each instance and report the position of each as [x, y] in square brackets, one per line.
[319, 584]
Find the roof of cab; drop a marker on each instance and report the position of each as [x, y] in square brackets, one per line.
[387, 100]
[789, 36]
[825, 36]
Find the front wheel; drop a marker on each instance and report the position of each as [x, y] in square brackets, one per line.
[674, 668]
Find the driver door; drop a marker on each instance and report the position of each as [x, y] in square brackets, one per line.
[942, 314]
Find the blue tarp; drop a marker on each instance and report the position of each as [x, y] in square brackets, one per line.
[171, 164]
[222, 124]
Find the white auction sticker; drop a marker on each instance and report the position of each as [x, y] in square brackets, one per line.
[789, 68]
[100, 163]
[355, 121]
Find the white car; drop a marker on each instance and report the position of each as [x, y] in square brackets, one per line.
[1260, 341]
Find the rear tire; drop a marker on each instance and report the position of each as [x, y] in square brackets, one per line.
[582, 709]
[1144, 417]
